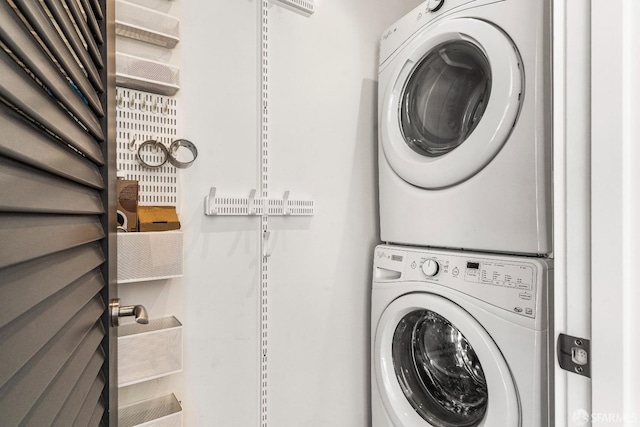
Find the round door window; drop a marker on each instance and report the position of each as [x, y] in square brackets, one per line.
[438, 371]
[445, 97]
[450, 99]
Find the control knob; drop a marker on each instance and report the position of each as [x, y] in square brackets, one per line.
[430, 267]
[434, 5]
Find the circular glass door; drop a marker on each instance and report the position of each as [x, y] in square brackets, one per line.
[438, 371]
[450, 100]
[444, 98]
[436, 366]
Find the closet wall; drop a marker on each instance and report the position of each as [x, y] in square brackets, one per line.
[322, 146]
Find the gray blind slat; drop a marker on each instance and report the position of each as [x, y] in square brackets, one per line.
[22, 91]
[46, 410]
[29, 283]
[47, 193]
[90, 404]
[74, 8]
[16, 36]
[97, 10]
[18, 396]
[25, 336]
[43, 26]
[25, 237]
[89, 56]
[96, 417]
[84, 389]
[27, 143]
[92, 21]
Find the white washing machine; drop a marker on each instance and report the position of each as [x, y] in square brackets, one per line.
[465, 126]
[459, 339]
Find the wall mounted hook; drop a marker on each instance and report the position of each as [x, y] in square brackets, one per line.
[266, 244]
[285, 203]
[209, 202]
[252, 202]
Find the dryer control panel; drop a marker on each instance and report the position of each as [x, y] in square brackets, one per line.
[515, 284]
[428, 12]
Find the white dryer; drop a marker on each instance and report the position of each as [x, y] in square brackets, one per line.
[459, 339]
[464, 126]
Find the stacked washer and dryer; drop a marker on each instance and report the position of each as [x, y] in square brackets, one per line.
[460, 298]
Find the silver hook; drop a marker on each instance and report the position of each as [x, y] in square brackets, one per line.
[132, 144]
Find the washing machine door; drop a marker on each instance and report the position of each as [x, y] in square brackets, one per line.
[450, 102]
[437, 366]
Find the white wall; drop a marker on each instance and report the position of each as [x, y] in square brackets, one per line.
[616, 212]
[572, 196]
[322, 146]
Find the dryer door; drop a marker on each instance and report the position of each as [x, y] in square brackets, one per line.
[450, 102]
[437, 366]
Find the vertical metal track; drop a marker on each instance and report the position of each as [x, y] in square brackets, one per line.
[264, 190]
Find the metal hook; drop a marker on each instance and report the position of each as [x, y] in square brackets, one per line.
[132, 144]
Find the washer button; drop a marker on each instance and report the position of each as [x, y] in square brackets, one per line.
[430, 267]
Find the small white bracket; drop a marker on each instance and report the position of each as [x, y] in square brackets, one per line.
[234, 206]
[209, 209]
[252, 202]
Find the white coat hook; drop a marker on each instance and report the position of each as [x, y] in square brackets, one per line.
[132, 103]
[155, 108]
[209, 202]
[285, 203]
[252, 202]
[266, 244]
[165, 108]
[120, 101]
[143, 105]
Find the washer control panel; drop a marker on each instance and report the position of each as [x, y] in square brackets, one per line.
[508, 282]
